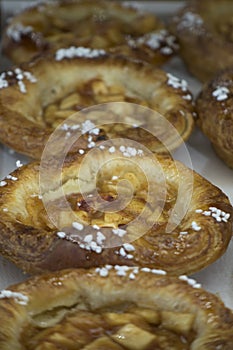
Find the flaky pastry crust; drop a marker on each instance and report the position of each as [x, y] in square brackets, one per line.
[204, 30]
[40, 232]
[215, 114]
[39, 96]
[107, 25]
[82, 309]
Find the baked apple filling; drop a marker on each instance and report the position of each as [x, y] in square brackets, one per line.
[87, 211]
[120, 196]
[92, 92]
[131, 328]
[151, 126]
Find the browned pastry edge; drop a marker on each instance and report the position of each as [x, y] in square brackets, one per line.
[21, 114]
[203, 50]
[213, 322]
[215, 114]
[37, 249]
[23, 45]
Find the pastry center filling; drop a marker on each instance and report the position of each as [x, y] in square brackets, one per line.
[119, 195]
[119, 200]
[125, 189]
[93, 92]
[120, 327]
[133, 121]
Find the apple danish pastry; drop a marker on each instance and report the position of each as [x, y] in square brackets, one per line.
[36, 98]
[216, 121]
[204, 31]
[107, 25]
[114, 205]
[113, 308]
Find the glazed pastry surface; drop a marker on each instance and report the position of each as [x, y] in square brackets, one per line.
[204, 31]
[113, 308]
[112, 26]
[215, 114]
[41, 95]
[115, 206]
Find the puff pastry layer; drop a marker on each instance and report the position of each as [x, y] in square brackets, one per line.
[204, 31]
[113, 308]
[108, 25]
[43, 230]
[215, 118]
[37, 97]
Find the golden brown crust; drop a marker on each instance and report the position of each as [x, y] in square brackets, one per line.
[215, 114]
[107, 25]
[29, 234]
[76, 307]
[204, 31]
[30, 92]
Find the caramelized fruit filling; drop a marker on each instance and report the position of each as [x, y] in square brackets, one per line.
[127, 186]
[144, 125]
[108, 190]
[129, 328]
[93, 92]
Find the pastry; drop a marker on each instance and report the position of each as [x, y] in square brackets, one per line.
[204, 31]
[215, 114]
[108, 25]
[113, 307]
[115, 205]
[39, 96]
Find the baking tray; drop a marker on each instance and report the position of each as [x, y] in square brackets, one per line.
[217, 278]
